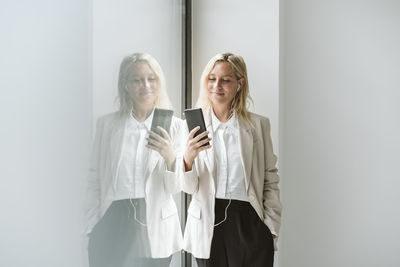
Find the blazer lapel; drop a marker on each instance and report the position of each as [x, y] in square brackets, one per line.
[246, 149]
[116, 142]
[210, 155]
[154, 156]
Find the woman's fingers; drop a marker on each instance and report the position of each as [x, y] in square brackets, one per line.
[155, 136]
[202, 142]
[200, 136]
[204, 147]
[195, 148]
[193, 132]
[195, 144]
[164, 133]
[154, 142]
[157, 140]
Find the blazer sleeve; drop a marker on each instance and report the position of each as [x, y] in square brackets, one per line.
[92, 201]
[271, 194]
[189, 179]
[171, 178]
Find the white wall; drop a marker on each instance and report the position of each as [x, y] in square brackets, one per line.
[339, 133]
[45, 130]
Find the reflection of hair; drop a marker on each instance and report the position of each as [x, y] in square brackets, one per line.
[125, 70]
[242, 97]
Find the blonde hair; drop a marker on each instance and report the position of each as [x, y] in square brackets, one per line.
[125, 100]
[242, 99]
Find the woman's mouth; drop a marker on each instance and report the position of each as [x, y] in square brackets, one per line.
[218, 93]
[146, 92]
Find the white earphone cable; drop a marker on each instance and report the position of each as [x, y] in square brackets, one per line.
[226, 211]
[134, 211]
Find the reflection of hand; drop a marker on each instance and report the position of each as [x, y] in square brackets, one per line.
[194, 146]
[162, 145]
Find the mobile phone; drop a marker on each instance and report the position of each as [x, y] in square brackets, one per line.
[162, 118]
[194, 117]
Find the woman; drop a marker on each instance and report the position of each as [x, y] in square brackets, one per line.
[235, 212]
[132, 219]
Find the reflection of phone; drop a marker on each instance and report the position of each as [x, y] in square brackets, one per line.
[162, 118]
[194, 117]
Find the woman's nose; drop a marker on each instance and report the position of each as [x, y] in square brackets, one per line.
[218, 83]
[146, 83]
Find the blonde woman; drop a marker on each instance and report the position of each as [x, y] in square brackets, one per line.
[132, 219]
[235, 212]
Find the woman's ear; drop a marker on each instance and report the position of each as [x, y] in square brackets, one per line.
[241, 83]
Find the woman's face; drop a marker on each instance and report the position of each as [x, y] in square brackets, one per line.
[143, 85]
[222, 84]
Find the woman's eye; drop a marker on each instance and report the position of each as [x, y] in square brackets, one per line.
[152, 79]
[211, 79]
[226, 80]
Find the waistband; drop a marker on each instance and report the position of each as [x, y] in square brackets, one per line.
[237, 205]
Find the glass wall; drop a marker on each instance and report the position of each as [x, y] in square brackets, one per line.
[60, 73]
[71, 104]
[134, 43]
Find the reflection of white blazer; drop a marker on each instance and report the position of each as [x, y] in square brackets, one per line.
[260, 177]
[165, 236]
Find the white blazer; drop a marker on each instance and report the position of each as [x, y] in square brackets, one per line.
[163, 225]
[261, 180]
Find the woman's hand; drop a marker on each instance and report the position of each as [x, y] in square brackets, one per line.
[194, 146]
[163, 145]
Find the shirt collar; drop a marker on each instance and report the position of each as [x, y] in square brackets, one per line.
[216, 123]
[147, 122]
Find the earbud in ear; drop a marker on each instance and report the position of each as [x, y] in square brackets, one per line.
[238, 88]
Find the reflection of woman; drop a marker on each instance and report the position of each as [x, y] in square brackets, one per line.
[132, 217]
[235, 212]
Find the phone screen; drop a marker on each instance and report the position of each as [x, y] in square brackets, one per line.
[194, 117]
[162, 118]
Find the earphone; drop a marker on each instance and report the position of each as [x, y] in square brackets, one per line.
[238, 88]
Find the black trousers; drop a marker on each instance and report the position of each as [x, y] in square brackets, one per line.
[118, 240]
[243, 240]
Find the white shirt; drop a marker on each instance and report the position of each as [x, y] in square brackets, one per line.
[134, 158]
[230, 171]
